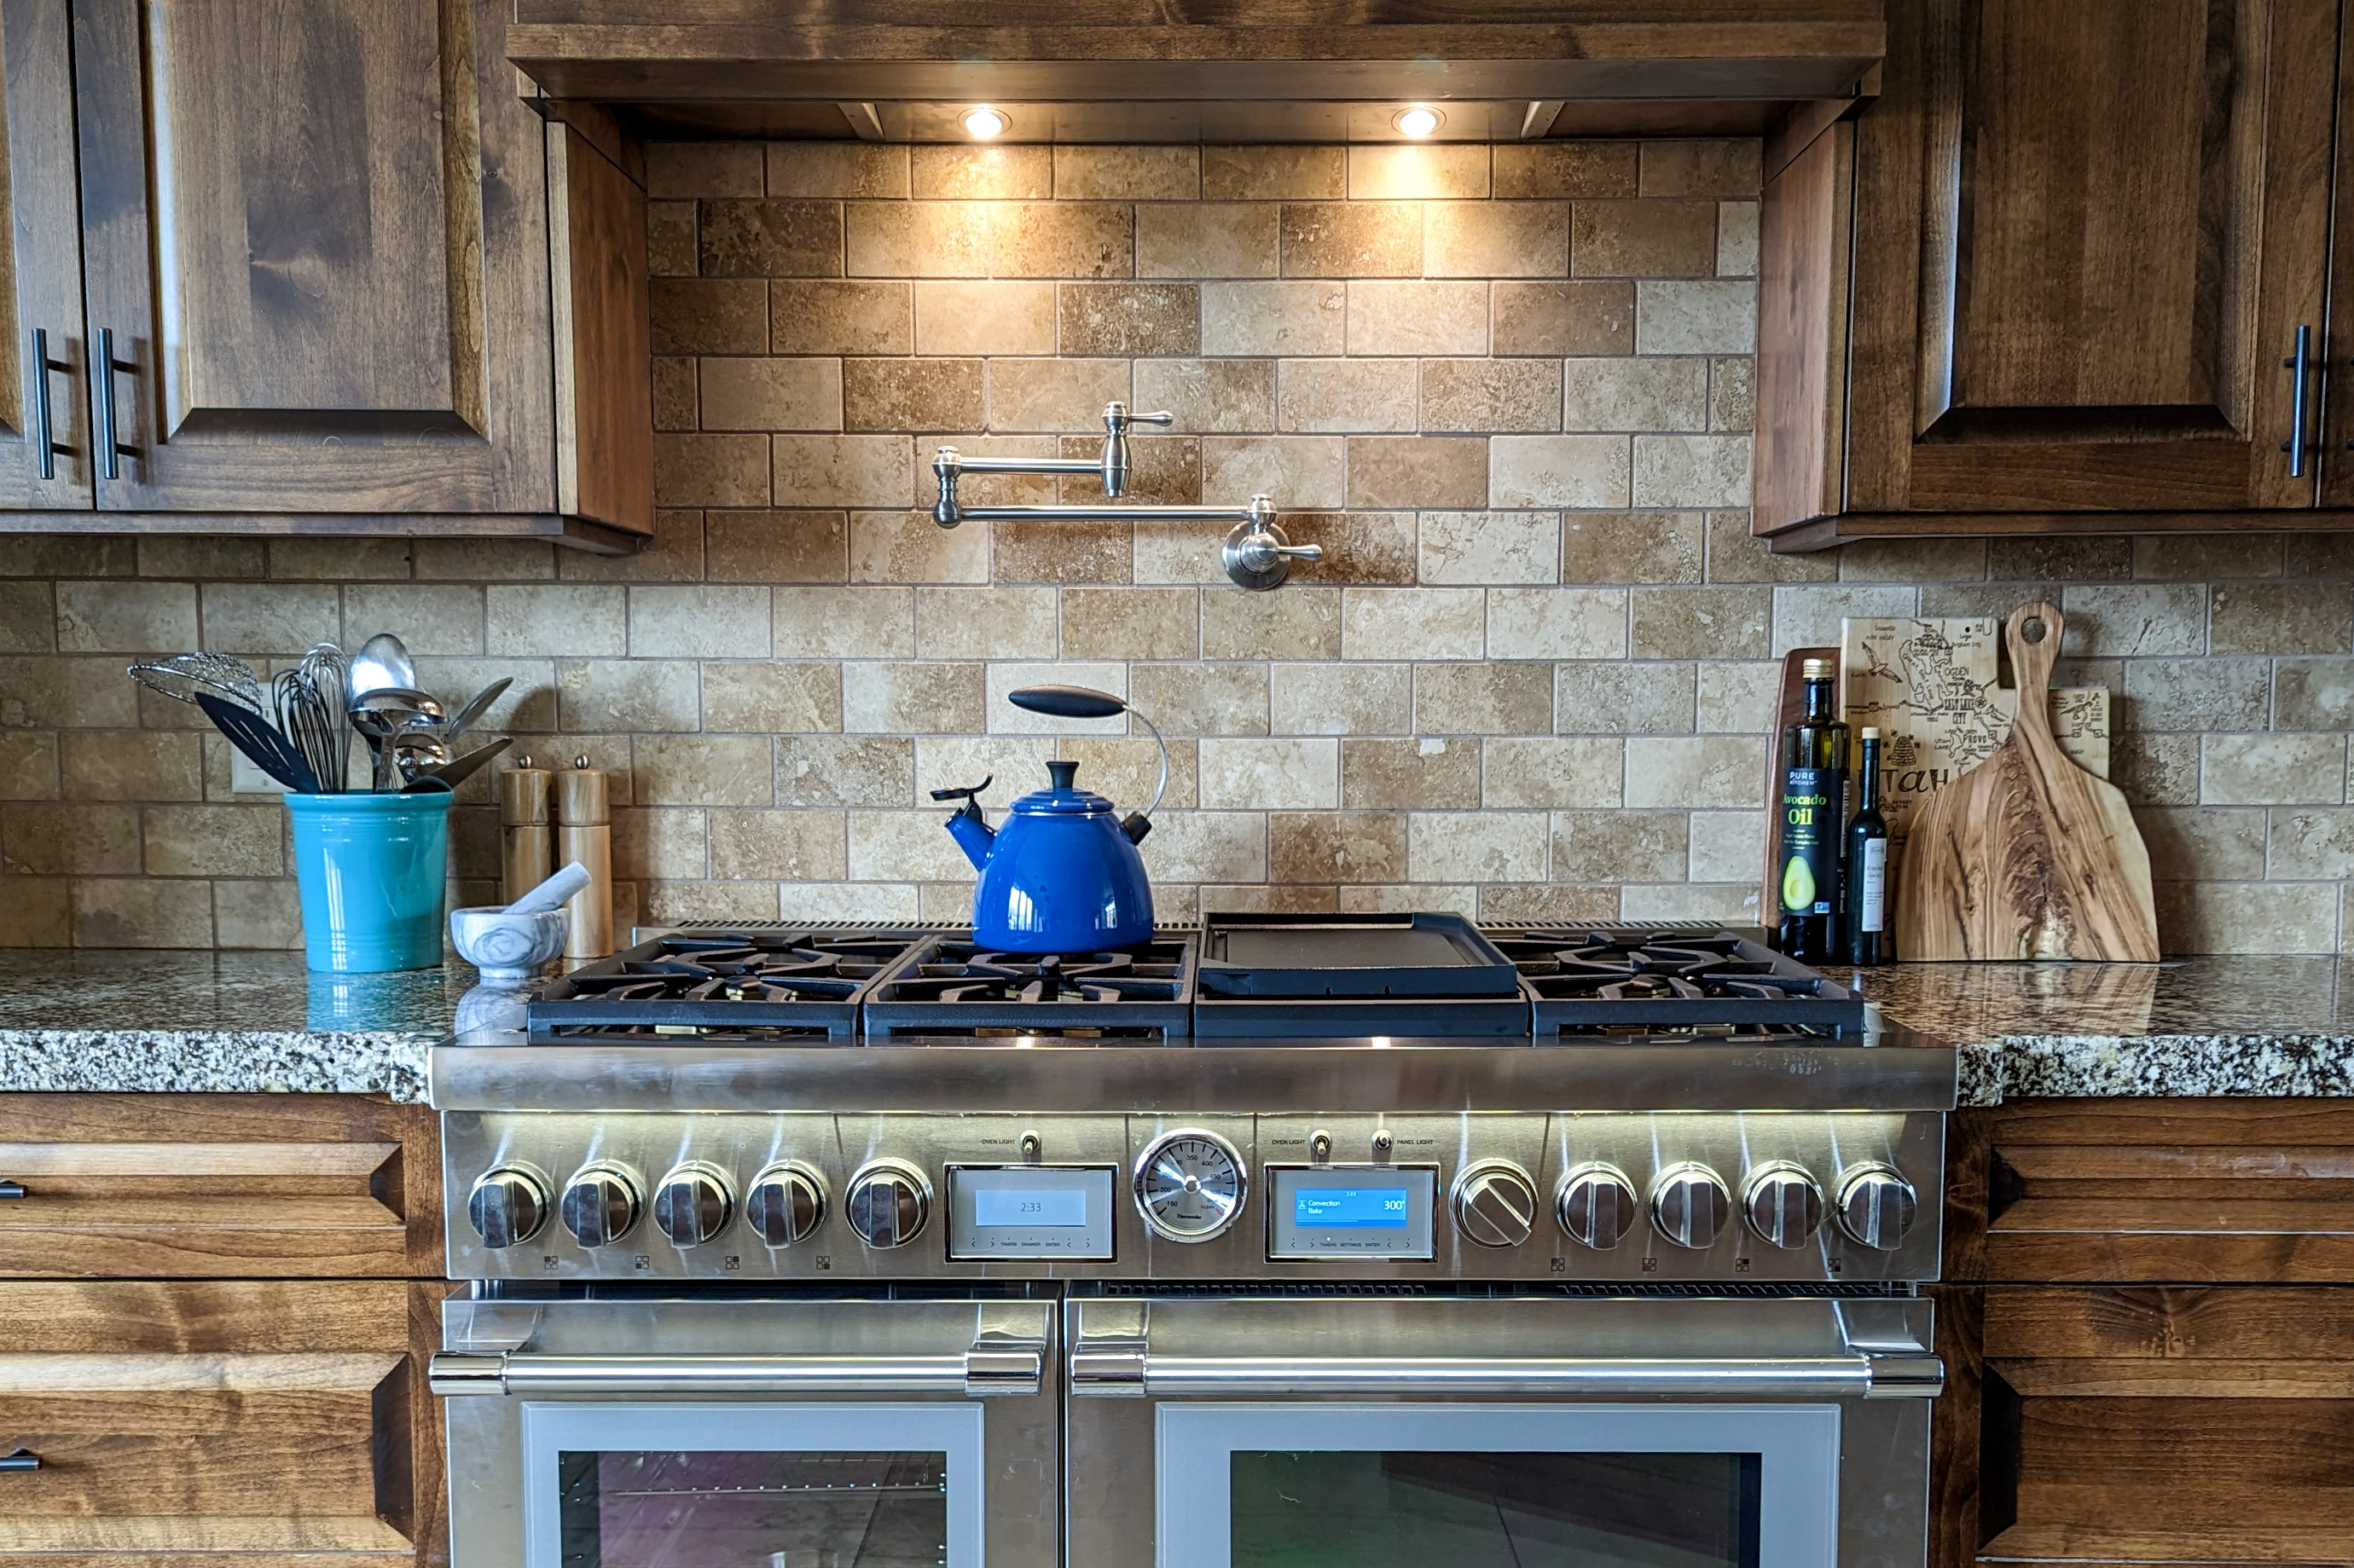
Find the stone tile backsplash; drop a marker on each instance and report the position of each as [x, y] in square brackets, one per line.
[1509, 390]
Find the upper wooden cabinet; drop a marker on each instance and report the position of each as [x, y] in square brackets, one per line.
[2055, 274]
[308, 279]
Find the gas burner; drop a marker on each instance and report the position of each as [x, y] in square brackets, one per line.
[958, 989]
[1613, 980]
[721, 986]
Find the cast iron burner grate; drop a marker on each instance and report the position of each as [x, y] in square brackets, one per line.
[720, 987]
[956, 988]
[1605, 981]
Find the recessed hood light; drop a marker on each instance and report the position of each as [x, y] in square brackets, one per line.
[984, 123]
[1418, 120]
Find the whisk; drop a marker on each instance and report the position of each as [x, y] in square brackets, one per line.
[308, 716]
[328, 673]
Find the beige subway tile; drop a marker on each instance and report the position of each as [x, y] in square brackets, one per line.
[111, 617]
[1726, 846]
[1220, 395]
[1556, 623]
[779, 846]
[195, 555]
[1632, 547]
[1411, 316]
[1698, 772]
[1702, 623]
[2272, 770]
[526, 707]
[927, 698]
[1341, 699]
[1295, 471]
[910, 393]
[1336, 847]
[1130, 318]
[28, 765]
[985, 623]
[1588, 316]
[1421, 771]
[1296, 623]
[1263, 319]
[484, 560]
[842, 470]
[1417, 470]
[273, 617]
[2316, 844]
[1735, 556]
[1127, 174]
[987, 490]
[1181, 553]
[1809, 617]
[1643, 239]
[958, 762]
[705, 169]
[1163, 469]
[1006, 678]
[131, 765]
[1475, 846]
[2247, 917]
[776, 394]
[711, 470]
[2307, 693]
[1324, 395]
[909, 548]
[2208, 555]
[772, 698]
[337, 559]
[1498, 394]
[1495, 239]
[746, 902]
[1205, 846]
[1376, 547]
[1548, 904]
[264, 915]
[903, 846]
[844, 770]
[770, 239]
[831, 317]
[917, 239]
[2212, 843]
[2196, 694]
[2280, 617]
[47, 838]
[1393, 171]
[1062, 240]
[671, 248]
[628, 695]
[702, 622]
[1593, 847]
[1413, 622]
[1711, 317]
[2137, 620]
[129, 912]
[1737, 698]
[864, 903]
[1728, 167]
[1733, 393]
[1041, 551]
[2318, 554]
[1548, 472]
[1914, 561]
[673, 555]
[1723, 904]
[1558, 169]
[844, 622]
[1259, 775]
[960, 316]
[67, 556]
[1131, 623]
[550, 619]
[1206, 239]
[1353, 240]
[1635, 394]
[1222, 698]
[709, 315]
[1273, 174]
[1736, 239]
[2063, 559]
[661, 845]
[70, 694]
[776, 547]
[1483, 699]
[440, 617]
[1006, 172]
[1053, 395]
[1576, 772]
[836, 169]
[1691, 470]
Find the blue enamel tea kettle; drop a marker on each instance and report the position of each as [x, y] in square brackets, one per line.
[1062, 875]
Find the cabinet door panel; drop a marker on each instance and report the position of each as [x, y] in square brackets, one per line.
[2087, 237]
[316, 231]
[40, 266]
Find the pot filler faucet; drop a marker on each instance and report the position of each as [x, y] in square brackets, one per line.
[1256, 554]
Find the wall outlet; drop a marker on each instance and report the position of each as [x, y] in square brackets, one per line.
[248, 780]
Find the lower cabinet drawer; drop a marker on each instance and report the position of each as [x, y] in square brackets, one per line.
[251, 1423]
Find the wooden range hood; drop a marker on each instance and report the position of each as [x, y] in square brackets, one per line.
[1221, 70]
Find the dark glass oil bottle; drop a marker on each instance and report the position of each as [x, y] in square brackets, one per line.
[1866, 867]
[1814, 810]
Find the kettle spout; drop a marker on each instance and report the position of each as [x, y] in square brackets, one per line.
[972, 833]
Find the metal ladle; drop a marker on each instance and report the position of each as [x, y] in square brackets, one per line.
[384, 713]
[383, 660]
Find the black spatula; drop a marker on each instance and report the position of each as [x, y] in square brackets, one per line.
[262, 742]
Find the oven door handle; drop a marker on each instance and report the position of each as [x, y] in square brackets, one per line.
[1134, 1371]
[983, 1371]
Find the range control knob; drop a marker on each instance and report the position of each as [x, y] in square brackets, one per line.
[888, 1203]
[508, 1205]
[1596, 1205]
[1495, 1204]
[600, 1204]
[786, 1203]
[693, 1203]
[1690, 1204]
[1782, 1203]
[1876, 1205]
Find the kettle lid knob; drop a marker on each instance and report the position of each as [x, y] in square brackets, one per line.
[1063, 772]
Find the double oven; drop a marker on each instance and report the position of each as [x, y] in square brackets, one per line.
[1271, 1306]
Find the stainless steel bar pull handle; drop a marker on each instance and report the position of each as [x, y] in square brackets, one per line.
[22, 1460]
[2300, 367]
[103, 367]
[11, 1190]
[1118, 1371]
[983, 1372]
[45, 441]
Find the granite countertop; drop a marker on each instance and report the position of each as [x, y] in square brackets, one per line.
[124, 1021]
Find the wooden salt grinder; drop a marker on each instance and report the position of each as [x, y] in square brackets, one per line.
[527, 839]
[584, 832]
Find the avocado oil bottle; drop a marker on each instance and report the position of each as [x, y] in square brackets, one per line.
[1814, 813]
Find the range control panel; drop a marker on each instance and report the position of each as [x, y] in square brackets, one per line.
[1647, 1197]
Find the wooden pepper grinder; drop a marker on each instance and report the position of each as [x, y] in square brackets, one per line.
[584, 832]
[526, 836]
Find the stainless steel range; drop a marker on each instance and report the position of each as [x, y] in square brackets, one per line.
[1053, 1263]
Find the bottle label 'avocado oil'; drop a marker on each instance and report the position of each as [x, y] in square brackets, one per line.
[1814, 814]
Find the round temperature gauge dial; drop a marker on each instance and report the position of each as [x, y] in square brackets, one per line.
[1190, 1184]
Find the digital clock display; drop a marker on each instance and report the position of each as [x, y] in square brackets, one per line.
[994, 1207]
[1350, 1208]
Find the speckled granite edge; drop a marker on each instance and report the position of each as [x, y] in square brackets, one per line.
[215, 1061]
[2158, 1066]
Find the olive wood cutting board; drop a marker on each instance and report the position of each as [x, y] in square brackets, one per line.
[2027, 855]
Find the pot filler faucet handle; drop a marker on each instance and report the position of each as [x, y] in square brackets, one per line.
[1117, 420]
[1258, 554]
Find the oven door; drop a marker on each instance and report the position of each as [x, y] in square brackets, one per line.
[751, 1432]
[1518, 1431]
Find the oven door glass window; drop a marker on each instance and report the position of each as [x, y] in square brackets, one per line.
[752, 1485]
[1398, 1485]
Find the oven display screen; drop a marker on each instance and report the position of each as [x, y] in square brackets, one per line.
[999, 1206]
[1351, 1207]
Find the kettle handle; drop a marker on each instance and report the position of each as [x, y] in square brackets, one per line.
[1140, 824]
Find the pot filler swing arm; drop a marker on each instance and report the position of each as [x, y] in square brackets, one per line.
[1256, 553]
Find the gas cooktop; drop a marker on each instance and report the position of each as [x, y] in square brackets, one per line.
[1588, 980]
[952, 987]
[723, 985]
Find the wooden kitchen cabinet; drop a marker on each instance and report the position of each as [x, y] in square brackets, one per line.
[2048, 281]
[315, 235]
